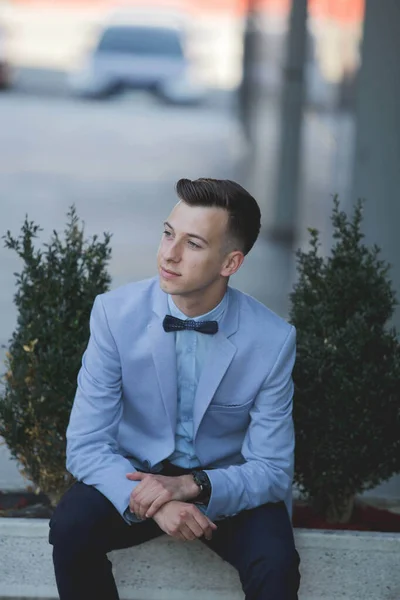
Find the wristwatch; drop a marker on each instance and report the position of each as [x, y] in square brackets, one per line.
[201, 479]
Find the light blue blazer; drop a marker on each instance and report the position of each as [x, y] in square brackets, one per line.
[124, 412]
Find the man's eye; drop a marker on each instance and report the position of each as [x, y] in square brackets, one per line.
[193, 245]
[167, 233]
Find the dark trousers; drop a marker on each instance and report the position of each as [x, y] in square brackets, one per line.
[85, 526]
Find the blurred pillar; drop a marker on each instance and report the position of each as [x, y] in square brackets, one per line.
[377, 150]
[283, 215]
[247, 89]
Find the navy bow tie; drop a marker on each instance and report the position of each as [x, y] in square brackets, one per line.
[173, 324]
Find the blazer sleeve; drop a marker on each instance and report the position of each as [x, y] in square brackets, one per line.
[268, 447]
[92, 451]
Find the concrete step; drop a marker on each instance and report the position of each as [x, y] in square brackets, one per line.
[345, 565]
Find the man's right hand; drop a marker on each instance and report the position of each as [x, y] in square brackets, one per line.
[184, 521]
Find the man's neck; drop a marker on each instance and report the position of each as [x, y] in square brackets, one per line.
[195, 307]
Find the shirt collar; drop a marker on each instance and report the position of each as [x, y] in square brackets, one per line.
[213, 315]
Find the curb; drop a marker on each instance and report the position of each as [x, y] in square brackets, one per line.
[334, 564]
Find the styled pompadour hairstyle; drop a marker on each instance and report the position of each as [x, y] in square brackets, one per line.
[244, 212]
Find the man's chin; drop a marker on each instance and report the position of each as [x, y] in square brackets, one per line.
[167, 286]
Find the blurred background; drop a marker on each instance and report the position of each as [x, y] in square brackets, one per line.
[105, 104]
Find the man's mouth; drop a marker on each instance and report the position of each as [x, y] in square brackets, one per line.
[167, 272]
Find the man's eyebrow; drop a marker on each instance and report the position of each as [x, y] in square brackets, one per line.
[193, 235]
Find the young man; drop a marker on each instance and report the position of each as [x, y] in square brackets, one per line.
[182, 420]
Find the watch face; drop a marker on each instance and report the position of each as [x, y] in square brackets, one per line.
[203, 482]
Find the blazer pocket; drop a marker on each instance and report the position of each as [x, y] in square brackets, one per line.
[230, 407]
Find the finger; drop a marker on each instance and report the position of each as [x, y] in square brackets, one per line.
[145, 488]
[135, 497]
[140, 489]
[141, 507]
[135, 509]
[210, 523]
[156, 505]
[195, 520]
[136, 476]
[147, 503]
[196, 529]
[136, 504]
[144, 498]
[206, 525]
[139, 512]
[187, 532]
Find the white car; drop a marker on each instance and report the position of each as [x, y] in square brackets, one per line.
[138, 56]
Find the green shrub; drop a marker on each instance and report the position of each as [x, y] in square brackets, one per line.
[55, 292]
[347, 373]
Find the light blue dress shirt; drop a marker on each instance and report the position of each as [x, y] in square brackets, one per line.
[191, 352]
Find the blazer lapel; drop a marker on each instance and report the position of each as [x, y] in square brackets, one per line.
[218, 361]
[164, 357]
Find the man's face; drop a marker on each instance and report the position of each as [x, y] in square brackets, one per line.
[190, 257]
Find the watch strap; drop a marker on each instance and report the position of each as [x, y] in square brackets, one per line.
[202, 480]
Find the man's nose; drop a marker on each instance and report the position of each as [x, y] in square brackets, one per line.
[172, 252]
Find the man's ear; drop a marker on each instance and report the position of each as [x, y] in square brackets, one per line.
[233, 261]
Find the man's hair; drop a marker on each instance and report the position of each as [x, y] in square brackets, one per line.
[244, 213]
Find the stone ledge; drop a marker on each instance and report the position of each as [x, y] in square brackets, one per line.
[345, 565]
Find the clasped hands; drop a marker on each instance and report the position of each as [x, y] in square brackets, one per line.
[165, 499]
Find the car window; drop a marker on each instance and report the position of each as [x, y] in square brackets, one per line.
[141, 40]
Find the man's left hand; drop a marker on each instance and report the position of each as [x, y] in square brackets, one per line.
[154, 491]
